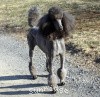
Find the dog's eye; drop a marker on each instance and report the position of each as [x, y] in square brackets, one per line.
[58, 16]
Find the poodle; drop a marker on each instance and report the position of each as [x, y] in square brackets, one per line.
[49, 34]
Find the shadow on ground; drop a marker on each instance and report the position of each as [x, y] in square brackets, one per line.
[24, 92]
[23, 86]
[97, 60]
[18, 77]
[33, 89]
[72, 48]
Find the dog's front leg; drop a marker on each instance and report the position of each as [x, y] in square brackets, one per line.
[62, 71]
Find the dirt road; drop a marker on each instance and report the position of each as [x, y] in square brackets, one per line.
[15, 79]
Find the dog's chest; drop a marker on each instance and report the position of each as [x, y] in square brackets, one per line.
[58, 46]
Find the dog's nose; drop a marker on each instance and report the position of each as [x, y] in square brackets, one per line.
[61, 28]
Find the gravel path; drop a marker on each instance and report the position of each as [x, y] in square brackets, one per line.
[15, 79]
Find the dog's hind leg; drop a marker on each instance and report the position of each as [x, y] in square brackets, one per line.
[32, 68]
[31, 43]
[52, 78]
[62, 71]
[48, 62]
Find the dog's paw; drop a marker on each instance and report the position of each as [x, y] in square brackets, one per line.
[34, 77]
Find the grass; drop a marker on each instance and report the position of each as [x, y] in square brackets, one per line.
[13, 13]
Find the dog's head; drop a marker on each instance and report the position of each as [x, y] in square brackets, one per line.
[56, 15]
[62, 21]
[56, 21]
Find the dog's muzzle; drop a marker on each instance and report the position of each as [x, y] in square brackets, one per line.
[60, 26]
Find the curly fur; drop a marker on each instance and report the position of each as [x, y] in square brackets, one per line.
[48, 34]
[33, 16]
[48, 23]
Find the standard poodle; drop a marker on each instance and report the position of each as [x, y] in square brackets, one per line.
[48, 34]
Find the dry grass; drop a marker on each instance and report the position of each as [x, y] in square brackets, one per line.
[13, 14]
[87, 34]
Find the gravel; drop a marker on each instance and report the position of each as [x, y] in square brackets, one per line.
[15, 79]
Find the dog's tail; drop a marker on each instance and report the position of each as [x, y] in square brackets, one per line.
[33, 16]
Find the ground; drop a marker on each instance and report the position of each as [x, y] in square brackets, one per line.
[15, 79]
[82, 50]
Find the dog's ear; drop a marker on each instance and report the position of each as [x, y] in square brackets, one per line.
[43, 22]
[45, 26]
[68, 22]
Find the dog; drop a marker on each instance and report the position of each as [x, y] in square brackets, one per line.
[49, 34]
